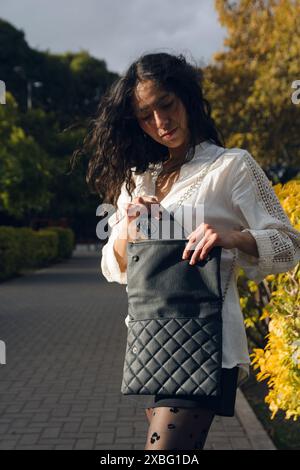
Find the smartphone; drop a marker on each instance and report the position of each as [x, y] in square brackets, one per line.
[166, 227]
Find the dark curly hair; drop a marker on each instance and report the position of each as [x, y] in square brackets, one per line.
[115, 141]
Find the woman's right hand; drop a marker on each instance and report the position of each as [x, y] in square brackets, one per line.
[139, 205]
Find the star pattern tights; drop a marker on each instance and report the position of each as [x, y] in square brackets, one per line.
[178, 428]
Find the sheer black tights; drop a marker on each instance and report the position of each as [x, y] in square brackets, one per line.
[178, 428]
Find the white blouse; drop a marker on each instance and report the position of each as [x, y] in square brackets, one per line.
[235, 195]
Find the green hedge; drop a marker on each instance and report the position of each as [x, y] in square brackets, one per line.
[22, 248]
[9, 252]
[28, 249]
[66, 241]
[47, 246]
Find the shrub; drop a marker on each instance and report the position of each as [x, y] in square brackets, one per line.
[46, 246]
[66, 241]
[9, 252]
[277, 299]
[27, 247]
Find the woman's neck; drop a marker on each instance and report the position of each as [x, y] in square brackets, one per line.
[177, 156]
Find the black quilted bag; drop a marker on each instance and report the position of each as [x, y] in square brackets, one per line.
[174, 338]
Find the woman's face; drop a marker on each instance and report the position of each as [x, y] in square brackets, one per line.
[159, 112]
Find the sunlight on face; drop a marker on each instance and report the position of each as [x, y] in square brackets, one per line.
[158, 112]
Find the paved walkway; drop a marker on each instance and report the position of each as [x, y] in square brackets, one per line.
[65, 342]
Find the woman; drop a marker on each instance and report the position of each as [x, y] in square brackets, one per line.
[152, 136]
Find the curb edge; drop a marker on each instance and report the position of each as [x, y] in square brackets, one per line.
[253, 428]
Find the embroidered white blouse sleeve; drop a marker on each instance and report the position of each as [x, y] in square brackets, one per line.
[109, 264]
[262, 215]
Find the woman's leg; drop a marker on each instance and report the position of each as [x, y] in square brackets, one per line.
[178, 428]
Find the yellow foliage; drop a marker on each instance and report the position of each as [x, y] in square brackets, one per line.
[279, 362]
[249, 81]
[249, 86]
[265, 314]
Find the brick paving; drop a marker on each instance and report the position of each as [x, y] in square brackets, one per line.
[65, 343]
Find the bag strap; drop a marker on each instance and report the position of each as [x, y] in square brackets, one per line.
[190, 191]
[199, 179]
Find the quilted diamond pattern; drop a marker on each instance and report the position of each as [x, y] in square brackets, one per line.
[174, 341]
[163, 356]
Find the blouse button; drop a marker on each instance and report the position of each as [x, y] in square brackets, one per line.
[135, 258]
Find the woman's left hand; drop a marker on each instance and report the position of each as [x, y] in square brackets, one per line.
[204, 238]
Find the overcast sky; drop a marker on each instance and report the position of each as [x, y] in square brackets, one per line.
[118, 30]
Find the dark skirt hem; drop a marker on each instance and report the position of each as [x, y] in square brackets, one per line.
[222, 406]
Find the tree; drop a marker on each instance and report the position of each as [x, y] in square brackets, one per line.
[249, 83]
[24, 174]
[43, 138]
